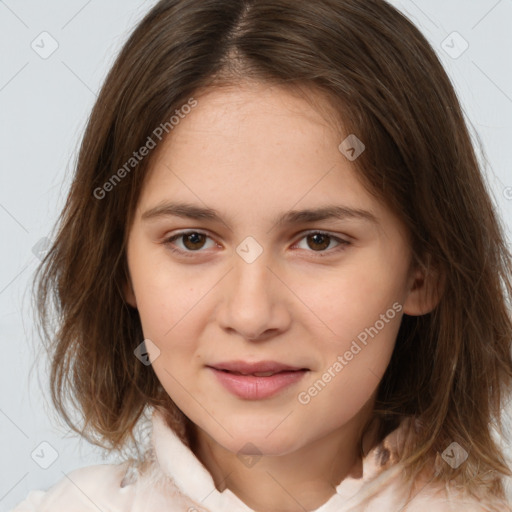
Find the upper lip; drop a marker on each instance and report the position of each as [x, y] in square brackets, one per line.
[256, 367]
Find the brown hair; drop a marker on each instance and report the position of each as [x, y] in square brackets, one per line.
[451, 368]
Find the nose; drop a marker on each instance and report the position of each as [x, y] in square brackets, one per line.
[255, 303]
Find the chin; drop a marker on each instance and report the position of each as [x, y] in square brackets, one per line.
[257, 441]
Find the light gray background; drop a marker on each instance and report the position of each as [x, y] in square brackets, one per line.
[44, 105]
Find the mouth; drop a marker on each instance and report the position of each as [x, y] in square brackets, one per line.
[256, 374]
[256, 381]
[258, 369]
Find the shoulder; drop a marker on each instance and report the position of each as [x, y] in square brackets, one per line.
[83, 490]
[392, 490]
[442, 502]
[428, 496]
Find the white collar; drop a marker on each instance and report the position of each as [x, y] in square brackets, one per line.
[192, 479]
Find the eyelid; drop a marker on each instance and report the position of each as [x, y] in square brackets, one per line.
[342, 243]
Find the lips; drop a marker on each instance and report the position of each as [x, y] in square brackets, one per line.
[262, 367]
[259, 380]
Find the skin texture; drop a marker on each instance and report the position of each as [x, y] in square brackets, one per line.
[253, 152]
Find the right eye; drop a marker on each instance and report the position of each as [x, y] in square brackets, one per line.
[191, 241]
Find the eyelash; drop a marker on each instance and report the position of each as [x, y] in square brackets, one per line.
[320, 254]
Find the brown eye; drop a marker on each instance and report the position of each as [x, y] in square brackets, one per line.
[323, 244]
[189, 242]
[193, 241]
[318, 241]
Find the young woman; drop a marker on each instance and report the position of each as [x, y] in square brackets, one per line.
[278, 247]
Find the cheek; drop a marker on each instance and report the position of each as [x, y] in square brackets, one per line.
[366, 355]
[352, 372]
[352, 298]
[166, 298]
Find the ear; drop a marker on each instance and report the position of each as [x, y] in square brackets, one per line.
[426, 287]
[129, 294]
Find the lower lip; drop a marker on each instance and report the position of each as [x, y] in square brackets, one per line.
[250, 387]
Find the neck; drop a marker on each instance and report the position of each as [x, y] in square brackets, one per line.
[301, 480]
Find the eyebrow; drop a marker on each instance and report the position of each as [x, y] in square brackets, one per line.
[309, 215]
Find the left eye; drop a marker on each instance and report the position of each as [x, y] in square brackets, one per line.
[193, 241]
[322, 241]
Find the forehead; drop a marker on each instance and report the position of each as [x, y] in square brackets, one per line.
[255, 115]
[256, 149]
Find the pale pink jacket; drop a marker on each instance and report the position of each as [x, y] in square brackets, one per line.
[175, 480]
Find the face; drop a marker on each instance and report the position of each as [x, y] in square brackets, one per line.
[267, 326]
